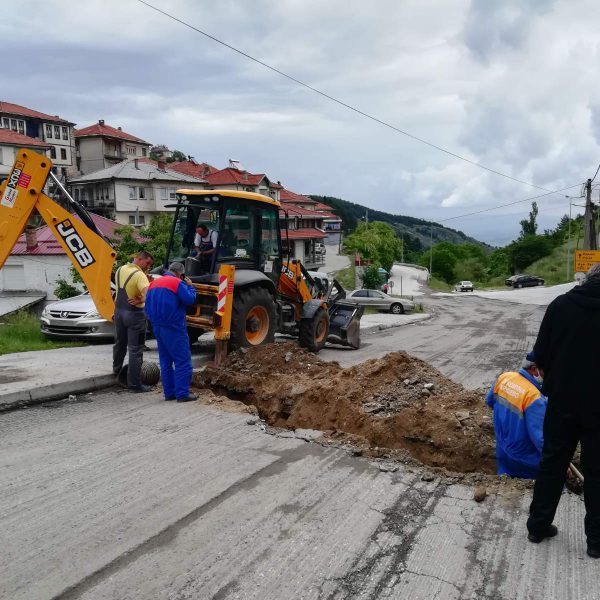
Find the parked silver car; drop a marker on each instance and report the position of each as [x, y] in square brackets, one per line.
[75, 318]
[380, 301]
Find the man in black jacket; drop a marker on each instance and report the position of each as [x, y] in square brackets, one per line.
[567, 351]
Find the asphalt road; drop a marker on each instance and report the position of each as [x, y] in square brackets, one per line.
[470, 339]
[122, 496]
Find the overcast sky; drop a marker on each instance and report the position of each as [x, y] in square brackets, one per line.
[511, 84]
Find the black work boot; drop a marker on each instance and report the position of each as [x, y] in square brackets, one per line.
[536, 538]
[188, 398]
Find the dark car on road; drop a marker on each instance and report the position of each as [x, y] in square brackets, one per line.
[521, 281]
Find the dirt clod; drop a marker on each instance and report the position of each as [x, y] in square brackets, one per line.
[369, 406]
[479, 494]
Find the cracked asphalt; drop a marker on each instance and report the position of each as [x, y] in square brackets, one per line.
[122, 496]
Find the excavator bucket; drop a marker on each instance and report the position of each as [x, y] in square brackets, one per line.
[344, 318]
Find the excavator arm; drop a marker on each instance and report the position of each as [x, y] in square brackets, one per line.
[90, 253]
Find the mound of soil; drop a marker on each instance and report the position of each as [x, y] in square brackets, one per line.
[394, 403]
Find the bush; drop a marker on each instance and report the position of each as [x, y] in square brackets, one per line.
[64, 289]
[371, 278]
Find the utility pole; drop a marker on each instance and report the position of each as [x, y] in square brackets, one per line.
[431, 252]
[569, 244]
[590, 241]
[402, 238]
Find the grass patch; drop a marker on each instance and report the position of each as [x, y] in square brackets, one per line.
[20, 332]
[347, 277]
[438, 285]
[553, 268]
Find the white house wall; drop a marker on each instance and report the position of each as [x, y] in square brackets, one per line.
[34, 273]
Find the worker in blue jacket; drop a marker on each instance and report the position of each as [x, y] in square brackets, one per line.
[166, 300]
[519, 409]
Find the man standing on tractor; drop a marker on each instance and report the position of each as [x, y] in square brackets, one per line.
[519, 409]
[165, 306]
[130, 320]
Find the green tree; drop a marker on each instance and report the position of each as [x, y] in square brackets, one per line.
[376, 242]
[177, 156]
[527, 250]
[529, 226]
[64, 289]
[371, 278]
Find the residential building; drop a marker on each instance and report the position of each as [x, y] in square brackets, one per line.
[100, 146]
[132, 191]
[11, 142]
[57, 132]
[302, 229]
[331, 223]
[37, 261]
[161, 152]
[191, 167]
[234, 178]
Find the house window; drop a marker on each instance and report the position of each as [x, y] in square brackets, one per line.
[22, 127]
[132, 195]
[48, 131]
[6, 123]
[164, 194]
[65, 132]
[56, 132]
[52, 152]
[172, 194]
[142, 193]
[63, 173]
[131, 150]
[141, 220]
[63, 154]
[144, 151]
[13, 124]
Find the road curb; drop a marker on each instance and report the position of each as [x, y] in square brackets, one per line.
[54, 391]
[384, 326]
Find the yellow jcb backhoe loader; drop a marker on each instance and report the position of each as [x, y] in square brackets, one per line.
[246, 291]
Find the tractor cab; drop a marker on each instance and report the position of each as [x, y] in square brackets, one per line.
[215, 227]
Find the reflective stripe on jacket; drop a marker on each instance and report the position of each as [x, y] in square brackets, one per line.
[519, 409]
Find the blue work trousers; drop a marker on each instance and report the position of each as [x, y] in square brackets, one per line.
[175, 360]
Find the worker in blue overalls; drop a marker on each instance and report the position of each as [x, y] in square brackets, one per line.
[166, 300]
[519, 410]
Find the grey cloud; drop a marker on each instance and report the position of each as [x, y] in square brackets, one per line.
[496, 25]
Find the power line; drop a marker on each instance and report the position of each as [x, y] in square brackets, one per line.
[477, 212]
[340, 102]
[596, 173]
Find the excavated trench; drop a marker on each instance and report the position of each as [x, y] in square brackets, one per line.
[397, 406]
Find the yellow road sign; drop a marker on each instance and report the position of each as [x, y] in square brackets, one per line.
[584, 259]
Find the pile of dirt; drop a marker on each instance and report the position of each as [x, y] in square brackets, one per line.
[387, 407]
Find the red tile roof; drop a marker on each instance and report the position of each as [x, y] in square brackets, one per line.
[8, 136]
[230, 176]
[107, 131]
[289, 196]
[303, 234]
[189, 167]
[23, 111]
[48, 244]
[296, 211]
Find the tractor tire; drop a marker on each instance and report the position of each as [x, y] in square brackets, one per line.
[313, 332]
[397, 309]
[253, 319]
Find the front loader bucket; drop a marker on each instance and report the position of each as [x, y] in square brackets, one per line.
[344, 323]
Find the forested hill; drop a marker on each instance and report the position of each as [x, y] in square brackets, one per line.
[418, 230]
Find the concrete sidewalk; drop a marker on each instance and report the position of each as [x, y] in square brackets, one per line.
[33, 377]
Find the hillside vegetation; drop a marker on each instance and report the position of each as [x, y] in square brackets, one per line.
[415, 232]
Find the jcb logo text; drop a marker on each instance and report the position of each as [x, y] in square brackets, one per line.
[75, 243]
